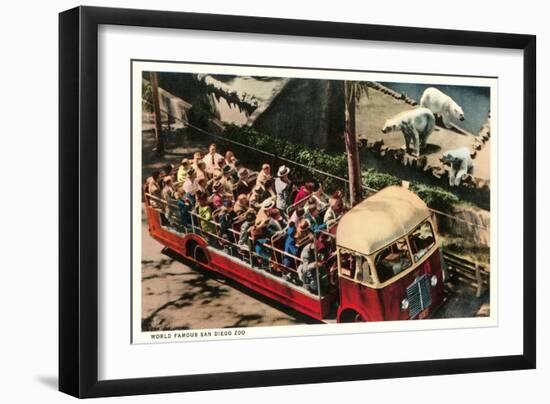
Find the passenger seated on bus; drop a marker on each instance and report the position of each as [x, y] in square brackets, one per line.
[205, 214]
[217, 197]
[227, 179]
[297, 216]
[197, 157]
[201, 171]
[167, 170]
[265, 207]
[312, 216]
[185, 206]
[242, 186]
[230, 158]
[303, 233]
[182, 170]
[264, 175]
[304, 192]
[283, 186]
[317, 196]
[258, 195]
[307, 270]
[153, 186]
[260, 244]
[276, 222]
[242, 205]
[244, 236]
[334, 210]
[168, 195]
[226, 219]
[291, 249]
[190, 184]
[213, 160]
[393, 260]
[201, 185]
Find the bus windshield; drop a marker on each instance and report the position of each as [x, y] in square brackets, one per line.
[393, 260]
[421, 240]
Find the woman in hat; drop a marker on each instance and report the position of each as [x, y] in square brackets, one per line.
[216, 199]
[242, 186]
[283, 187]
[227, 179]
[265, 207]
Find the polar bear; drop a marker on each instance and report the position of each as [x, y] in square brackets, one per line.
[416, 125]
[441, 104]
[460, 163]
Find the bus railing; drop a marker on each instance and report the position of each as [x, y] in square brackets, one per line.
[246, 253]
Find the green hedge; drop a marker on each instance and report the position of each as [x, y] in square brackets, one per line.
[435, 197]
[336, 164]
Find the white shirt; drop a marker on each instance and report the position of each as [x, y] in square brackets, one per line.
[212, 161]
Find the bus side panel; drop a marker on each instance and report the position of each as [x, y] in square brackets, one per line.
[361, 299]
[276, 290]
[393, 294]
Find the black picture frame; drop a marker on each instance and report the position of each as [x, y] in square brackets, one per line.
[78, 196]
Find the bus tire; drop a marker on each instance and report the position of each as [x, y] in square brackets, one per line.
[351, 316]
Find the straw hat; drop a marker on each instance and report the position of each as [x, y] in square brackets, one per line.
[283, 170]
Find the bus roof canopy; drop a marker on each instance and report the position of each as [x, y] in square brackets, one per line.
[380, 220]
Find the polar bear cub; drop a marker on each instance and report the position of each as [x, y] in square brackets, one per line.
[416, 126]
[460, 163]
[441, 104]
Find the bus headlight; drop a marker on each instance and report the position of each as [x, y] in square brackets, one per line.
[433, 280]
[404, 304]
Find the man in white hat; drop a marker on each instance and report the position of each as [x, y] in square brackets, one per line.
[283, 188]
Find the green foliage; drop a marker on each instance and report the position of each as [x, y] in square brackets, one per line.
[435, 197]
[376, 180]
[200, 114]
[335, 164]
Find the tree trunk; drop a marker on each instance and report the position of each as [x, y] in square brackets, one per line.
[159, 139]
[352, 151]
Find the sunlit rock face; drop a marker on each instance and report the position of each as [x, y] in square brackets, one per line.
[309, 112]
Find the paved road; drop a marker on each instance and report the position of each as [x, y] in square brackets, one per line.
[176, 296]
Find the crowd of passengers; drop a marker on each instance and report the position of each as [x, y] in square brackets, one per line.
[245, 212]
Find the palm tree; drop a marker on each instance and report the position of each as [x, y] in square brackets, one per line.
[353, 90]
[159, 139]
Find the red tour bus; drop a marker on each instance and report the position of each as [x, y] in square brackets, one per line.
[380, 261]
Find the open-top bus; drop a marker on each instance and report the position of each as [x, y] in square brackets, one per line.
[380, 260]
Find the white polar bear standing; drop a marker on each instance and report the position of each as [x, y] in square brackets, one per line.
[441, 104]
[416, 126]
[460, 163]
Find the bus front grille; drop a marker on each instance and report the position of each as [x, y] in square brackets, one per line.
[418, 294]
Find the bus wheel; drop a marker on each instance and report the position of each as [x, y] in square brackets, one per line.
[199, 255]
[196, 252]
[351, 316]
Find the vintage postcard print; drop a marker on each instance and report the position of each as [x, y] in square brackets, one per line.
[272, 202]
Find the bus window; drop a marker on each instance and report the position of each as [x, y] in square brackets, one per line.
[347, 264]
[421, 240]
[393, 260]
[363, 270]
